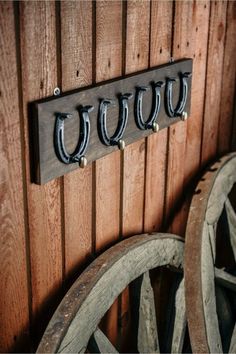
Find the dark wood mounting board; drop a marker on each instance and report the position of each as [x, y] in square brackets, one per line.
[45, 163]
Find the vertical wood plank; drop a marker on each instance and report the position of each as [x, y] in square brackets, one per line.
[228, 82]
[136, 58]
[108, 65]
[160, 53]
[200, 28]
[76, 62]
[198, 51]
[213, 80]
[39, 78]
[14, 314]
[182, 43]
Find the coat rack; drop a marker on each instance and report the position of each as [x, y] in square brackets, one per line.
[78, 127]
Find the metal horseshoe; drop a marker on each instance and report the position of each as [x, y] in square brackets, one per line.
[156, 103]
[116, 138]
[59, 144]
[182, 97]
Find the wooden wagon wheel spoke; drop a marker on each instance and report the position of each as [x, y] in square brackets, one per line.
[99, 343]
[209, 205]
[232, 348]
[225, 279]
[180, 322]
[231, 216]
[74, 326]
[145, 313]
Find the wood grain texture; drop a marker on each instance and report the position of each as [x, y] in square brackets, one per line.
[76, 62]
[182, 47]
[48, 165]
[39, 77]
[156, 150]
[108, 66]
[213, 80]
[14, 313]
[81, 310]
[228, 82]
[137, 54]
[136, 58]
[199, 40]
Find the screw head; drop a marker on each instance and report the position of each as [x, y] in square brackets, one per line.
[121, 144]
[184, 116]
[155, 127]
[56, 91]
[83, 162]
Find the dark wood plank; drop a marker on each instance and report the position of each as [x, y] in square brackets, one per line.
[76, 60]
[108, 66]
[39, 78]
[47, 163]
[160, 53]
[228, 82]
[213, 80]
[14, 312]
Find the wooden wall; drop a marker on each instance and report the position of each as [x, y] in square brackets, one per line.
[49, 233]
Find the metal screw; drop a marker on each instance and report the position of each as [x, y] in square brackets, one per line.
[155, 127]
[121, 144]
[56, 91]
[83, 162]
[184, 116]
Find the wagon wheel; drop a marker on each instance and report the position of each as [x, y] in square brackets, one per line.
[210, 315]
[74, 326]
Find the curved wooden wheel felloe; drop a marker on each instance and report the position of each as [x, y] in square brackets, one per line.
[205, 281]
[74, 326]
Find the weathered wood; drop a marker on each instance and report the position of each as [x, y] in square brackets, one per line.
[226, 317]
[208, 294]
[156, 147]
[180, 322]
[14, 312]
[225, 279]
[39, 78]
[94, 291]
[207, 205]
[147, 327]
[175, 319]
[232, 348]
[48, 165]
[76, 65]
[99, 343]
[231, 216]
[213, 81]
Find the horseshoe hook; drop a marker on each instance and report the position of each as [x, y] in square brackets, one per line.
[116, 138]
[59, 143]
[179, 110]
[156, 103]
